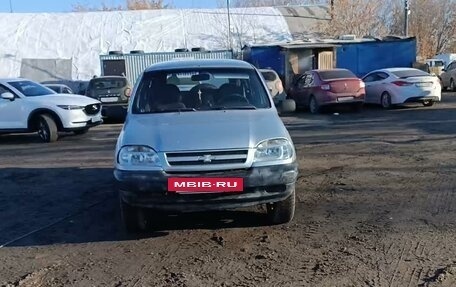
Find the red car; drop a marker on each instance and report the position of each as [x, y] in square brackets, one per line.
[318, 88]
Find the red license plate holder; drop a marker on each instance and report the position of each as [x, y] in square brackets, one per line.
[187, 185]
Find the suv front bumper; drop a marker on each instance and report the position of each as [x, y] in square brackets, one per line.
[261, 185]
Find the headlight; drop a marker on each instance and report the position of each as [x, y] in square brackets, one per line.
[273, 150]
[138, 156]
[70, 107]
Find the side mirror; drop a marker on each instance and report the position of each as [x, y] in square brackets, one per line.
[8, 96]
[287, 106]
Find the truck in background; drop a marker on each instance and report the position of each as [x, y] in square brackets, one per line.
[446, 58]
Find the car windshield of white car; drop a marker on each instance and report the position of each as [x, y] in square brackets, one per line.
[31, 89]
[193, 90]
[410, 73]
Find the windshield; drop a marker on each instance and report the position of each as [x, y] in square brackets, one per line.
[31, 89]
[439, 63]
[408, 73]
[108, 83]
[198, 89]
[336, 74]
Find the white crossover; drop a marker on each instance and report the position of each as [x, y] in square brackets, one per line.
[26, 106]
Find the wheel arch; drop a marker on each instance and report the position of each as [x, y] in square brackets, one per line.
[32, 118]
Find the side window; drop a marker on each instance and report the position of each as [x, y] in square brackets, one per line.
[302, 81]
[4, 89]
[382, 76]
[452, 66]
[309, 81]
[371, 78]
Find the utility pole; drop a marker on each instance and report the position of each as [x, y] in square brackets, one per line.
[11, 6]
[406, 17]
[229, 24]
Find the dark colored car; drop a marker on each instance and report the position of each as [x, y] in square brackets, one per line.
[113, 92]
[60, 88]
[318, 88]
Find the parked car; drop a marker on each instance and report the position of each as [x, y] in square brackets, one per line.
[59, 88]
[318, 88]
[448, 77]
[436, 66]
[396, 86]
[204, 148]
[113, 92]
[26, 106]
[275, 85]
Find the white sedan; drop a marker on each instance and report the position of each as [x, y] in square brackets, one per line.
[396, 86]
[26, 106]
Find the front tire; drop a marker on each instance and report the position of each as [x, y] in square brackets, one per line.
[47, 129]
[133, 218]
[283, 211]
[452, 87]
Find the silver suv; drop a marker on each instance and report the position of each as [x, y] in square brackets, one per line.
[204, 135]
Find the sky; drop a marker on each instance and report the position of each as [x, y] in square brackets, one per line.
[33, 6]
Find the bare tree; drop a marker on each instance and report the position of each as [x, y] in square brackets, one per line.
[129, 5]
[267, 3]
[358, 17]
[146, 4]
[243, 28]
[432, 22]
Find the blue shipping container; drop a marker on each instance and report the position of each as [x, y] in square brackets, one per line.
[362, 58]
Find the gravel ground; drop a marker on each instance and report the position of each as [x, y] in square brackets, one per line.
[376, 206]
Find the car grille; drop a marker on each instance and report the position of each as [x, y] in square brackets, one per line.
[92, 109]
[206, 158]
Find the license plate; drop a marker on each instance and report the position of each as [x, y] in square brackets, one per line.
[344, 99]
[205, 185]
[109, 100]
[424, 84]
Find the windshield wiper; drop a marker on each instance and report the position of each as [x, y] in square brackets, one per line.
[183, 110]
[233, 108]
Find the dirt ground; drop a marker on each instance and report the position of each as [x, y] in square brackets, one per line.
[376, 207]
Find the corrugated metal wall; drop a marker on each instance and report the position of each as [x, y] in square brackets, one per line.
[362, 58]
[135, 64]
[268, 57]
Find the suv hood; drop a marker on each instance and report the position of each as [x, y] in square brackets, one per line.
[202, 130]
[64, 99]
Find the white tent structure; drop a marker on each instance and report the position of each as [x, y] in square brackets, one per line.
[68, 45]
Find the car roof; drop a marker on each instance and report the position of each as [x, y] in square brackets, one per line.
[5, 80]
[326, 70]
[203, 63]
[390, 70]
[56, 85]
[108, 77]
